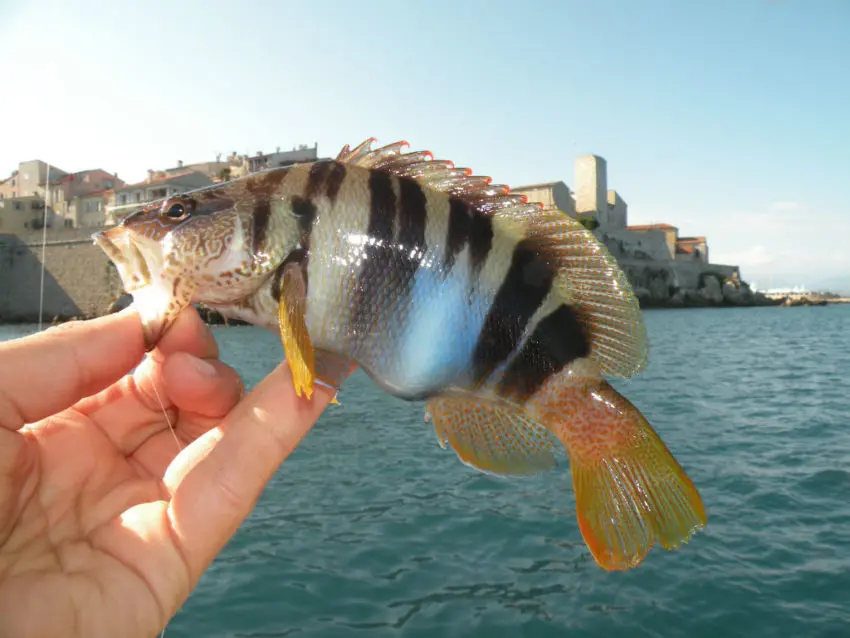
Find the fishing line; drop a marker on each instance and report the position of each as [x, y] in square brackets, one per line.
[43, 245]
[167, 418]
[176, 440]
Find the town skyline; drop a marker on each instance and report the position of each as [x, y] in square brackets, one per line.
[726, 119]
[87, 199]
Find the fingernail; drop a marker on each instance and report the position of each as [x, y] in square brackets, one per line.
[204, 368]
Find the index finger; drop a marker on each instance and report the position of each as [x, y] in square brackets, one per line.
[50, 371]
[216, 481]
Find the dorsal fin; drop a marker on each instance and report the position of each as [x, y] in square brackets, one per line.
[476, 190]
[588, 276]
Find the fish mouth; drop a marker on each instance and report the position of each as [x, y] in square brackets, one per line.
[152, 296]
[125, 254]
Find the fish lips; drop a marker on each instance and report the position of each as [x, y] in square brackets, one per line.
[125, 254]
[152, 299]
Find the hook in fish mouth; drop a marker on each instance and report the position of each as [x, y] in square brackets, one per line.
[125, 254]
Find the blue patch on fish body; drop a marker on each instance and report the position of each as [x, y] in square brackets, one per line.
[436, 345]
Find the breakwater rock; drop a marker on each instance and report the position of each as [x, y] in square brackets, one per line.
[659, 287]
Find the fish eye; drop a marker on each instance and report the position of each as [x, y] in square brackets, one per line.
[176, 210]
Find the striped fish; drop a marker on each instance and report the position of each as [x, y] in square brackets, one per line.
[503, 315]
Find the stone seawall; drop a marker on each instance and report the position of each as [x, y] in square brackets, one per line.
[79, 281]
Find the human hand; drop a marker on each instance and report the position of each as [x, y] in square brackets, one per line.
[104, 528]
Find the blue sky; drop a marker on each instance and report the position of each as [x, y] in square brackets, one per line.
[726, 118]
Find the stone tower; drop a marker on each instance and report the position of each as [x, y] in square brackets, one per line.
[591, 181]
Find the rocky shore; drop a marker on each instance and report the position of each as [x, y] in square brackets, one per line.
[656, 288]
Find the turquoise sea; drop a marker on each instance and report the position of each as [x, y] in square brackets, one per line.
[370, 529]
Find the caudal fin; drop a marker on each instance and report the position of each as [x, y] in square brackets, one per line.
[630, 491]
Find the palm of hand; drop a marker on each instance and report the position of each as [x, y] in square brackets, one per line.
[104, 527]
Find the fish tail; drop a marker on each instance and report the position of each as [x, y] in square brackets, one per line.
[630, 491]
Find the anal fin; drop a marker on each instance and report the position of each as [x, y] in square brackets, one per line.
[492, 438]
[293, 330]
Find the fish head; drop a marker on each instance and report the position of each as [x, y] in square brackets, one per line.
[189, 248]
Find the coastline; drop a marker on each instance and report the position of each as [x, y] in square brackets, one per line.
[781, 302]
[80, 282]
[692, 302]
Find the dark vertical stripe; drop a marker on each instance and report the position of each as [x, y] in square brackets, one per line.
[298, 256]
[261, 215]
[322, 175]
[316, 178]
[334, 181]
[273, 179]
[382, 207]
[378, 251]
[412, 217]
[458, 231]
[264, 185]
[262, 188]
[480, 240]
[557, 340]
[523, 290]
[468, 226]
[305, 212]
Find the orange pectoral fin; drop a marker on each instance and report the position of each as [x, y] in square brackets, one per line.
[630, 491]
[293, 330]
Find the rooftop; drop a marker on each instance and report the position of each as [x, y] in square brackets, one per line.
[158, 180]
[653, 227]
[539, 185]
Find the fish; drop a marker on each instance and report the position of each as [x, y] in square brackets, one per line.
[504, 316]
